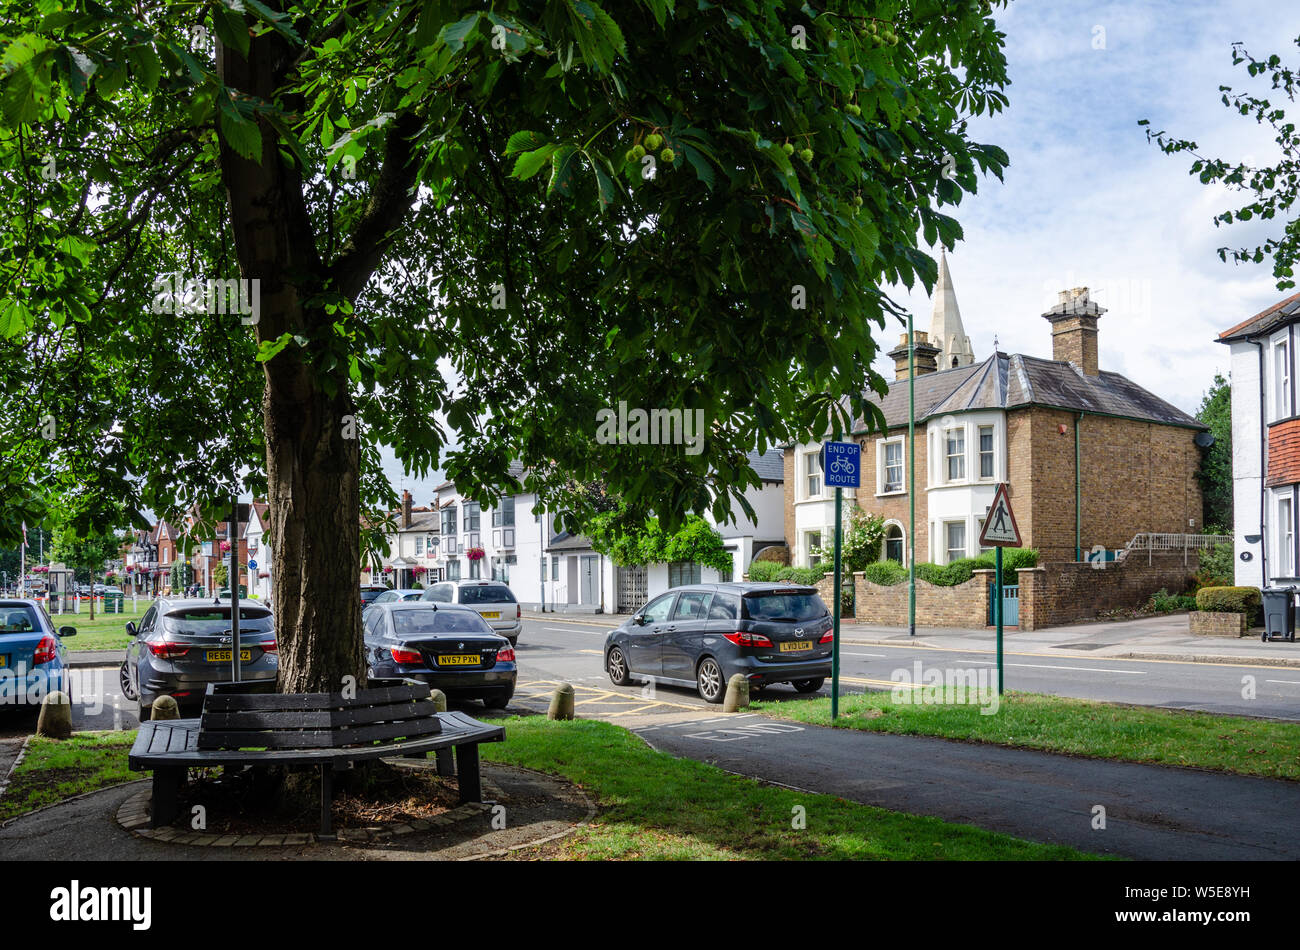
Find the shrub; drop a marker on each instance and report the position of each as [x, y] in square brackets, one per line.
[763, 570]
[846, 600]
[1215, 566]
[800, 575]
[886, 573]
[946, 575]
[1228, 600]
[1163, 602]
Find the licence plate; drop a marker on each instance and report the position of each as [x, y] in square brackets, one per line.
[796, 646]
[458, 659]
[223, 656]
[491, 615]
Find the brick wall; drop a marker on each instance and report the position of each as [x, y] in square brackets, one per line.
[894, 507]
[1136, 477]
[787, 488]
[1284, 452]
[1069, 592]
[1203, 623]
[965, 605]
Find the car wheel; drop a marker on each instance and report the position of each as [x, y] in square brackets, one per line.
[809, 686]
[499, 701]
[616, 666]
[124, 679]
[709, 682]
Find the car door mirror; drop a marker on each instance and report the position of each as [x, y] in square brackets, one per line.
[67, 631]
[130, 628]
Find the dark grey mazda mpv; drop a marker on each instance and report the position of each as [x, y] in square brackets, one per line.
[703, 634]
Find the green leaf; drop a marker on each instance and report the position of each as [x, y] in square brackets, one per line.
[241, 134]
[605, 190]
[269, 348]
[524, 142]
[455, 34]
[530, 163]
[145, 65]
[564, 171]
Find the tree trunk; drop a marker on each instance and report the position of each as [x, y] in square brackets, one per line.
[313, 479]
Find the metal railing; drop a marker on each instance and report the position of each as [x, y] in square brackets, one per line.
[1157, 543]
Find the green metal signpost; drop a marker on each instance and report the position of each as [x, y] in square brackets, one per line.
[841, 468]
[1000, 530]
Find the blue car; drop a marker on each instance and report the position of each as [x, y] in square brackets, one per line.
[33, 659]
[449, 647]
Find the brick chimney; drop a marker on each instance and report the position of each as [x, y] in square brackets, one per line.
[1074, 329]
[406, 510]
[926, 355]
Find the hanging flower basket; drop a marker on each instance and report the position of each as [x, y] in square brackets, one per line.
[264, 574]
[40, 569]
[419, 571]
[388, 569]
[475, 554]
[225, 547]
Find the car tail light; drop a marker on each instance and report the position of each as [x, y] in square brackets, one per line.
[407, 657]
[519, 611]
[270, 646]
[742, 639]
[46, 651]
[827, 637]
[506, 655]
[167, 649]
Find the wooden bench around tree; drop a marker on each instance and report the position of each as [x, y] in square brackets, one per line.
[329, 731]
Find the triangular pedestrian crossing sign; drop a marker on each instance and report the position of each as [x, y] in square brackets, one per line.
[1000, 528]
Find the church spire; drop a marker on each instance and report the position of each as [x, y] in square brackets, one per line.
[946, 329]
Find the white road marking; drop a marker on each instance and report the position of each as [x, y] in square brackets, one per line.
[879, 656]
[1081, 669]
[1290, 682]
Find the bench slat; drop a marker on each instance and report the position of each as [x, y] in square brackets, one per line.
[317, 718]
[317, 738]
[285, 702]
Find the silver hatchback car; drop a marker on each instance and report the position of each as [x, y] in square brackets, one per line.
[493, 600]
[183, 644]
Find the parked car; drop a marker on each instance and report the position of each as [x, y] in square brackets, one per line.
[493, 600]
[33, 659]
[390, 596]
[369, 592]
[702, 634]
[183, 644]
[452, 648]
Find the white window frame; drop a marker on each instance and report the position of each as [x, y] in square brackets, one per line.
[1281, 379]
[1285, 534]
[992, 452]
[947, 457]
[812, 467]
[884, 543]
[809, 544]
[965, 539]
[882, 453]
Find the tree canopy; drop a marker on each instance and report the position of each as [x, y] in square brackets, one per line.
[1270, 189]
[1215, 474]
[459, 248]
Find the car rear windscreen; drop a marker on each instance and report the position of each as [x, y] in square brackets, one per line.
[204, 620]
[19, 619]
[486, 594]
[412, 623]
[784, 606]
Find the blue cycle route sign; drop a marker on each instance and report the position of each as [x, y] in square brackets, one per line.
[842, 464]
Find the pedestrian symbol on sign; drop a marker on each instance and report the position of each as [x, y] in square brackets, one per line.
[1000, 529]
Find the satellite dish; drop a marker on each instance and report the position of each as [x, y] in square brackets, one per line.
[1204, 439]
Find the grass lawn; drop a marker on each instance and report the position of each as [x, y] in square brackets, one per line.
[1073, 726]
[654, 806]
[105, 632]
[53, 770]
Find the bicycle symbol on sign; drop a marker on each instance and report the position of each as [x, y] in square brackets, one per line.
[841, 466]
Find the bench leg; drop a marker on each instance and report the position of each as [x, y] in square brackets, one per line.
[467, 764]
[446, 767]
[326, 798]
[166, 793]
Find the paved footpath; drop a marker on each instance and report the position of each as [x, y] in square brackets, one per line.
[1151, 812]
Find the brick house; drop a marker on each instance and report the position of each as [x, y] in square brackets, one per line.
[1265, 444]
[1055, 430]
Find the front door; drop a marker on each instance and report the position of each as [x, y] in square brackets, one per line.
[590, 578]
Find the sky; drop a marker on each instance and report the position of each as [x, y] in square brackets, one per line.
[1087, 201]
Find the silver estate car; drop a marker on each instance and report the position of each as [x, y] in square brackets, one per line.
[184, 643]
[493, 600]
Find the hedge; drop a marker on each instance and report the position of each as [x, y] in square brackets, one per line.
[770, 571]
[885, 573]
[1228, 600]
